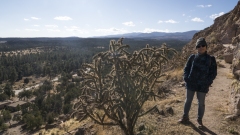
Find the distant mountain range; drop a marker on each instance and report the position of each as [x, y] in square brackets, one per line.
[155, 35]
[188, 35]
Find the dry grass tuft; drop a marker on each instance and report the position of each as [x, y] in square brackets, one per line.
[64, 127]
[108, 130]
[176, 74]
[222, 108]
[170, 101]
[230, 76]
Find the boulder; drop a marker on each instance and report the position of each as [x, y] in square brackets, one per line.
[237, 74]
[235, 64]
[228, 57]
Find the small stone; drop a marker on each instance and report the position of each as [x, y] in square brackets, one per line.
[80, 131]
[169, 110]
[231, 117]
[141, 127]
[161, 112]
[178, 101]
[182, 84]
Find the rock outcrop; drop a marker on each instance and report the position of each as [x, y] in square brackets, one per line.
[224, 30]
[235, 93]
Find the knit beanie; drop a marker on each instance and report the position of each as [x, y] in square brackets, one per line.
[201, 41]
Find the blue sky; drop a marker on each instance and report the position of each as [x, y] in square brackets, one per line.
[86, 18]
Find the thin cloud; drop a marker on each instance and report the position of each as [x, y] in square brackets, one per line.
[63, 18]
[35, 18]
[196, 19]
[36, 25]
[204, 6]
[183, 14]
[129, 23]
[214, 16]
[148, 30]
[171, 21]
[51, 26]
[26, 19]
[160, 21]
[168, 21]
[53, 30]
[72, 28]
[32, 30]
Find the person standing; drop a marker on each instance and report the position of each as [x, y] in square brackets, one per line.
[199, 72]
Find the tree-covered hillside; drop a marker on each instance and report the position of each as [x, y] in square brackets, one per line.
[25, 43]
[51, 56]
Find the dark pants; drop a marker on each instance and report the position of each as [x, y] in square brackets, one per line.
[201, 103]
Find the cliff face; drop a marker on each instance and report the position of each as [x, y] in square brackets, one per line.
[225, 30]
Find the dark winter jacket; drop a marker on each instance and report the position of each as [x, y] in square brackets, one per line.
[199, 72]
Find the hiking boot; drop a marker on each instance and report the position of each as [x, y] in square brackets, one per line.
[200, 124]
[183, 120]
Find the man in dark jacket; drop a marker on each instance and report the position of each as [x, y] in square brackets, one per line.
[199, 73]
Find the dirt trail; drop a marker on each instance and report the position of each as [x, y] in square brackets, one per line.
[217, 100]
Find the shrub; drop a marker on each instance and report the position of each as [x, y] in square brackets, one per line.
[115, 95]
[26, 80]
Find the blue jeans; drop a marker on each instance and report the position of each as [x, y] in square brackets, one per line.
[201, 103]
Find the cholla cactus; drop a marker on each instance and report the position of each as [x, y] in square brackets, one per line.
[116, 97]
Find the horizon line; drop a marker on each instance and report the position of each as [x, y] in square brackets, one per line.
[99, 36]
